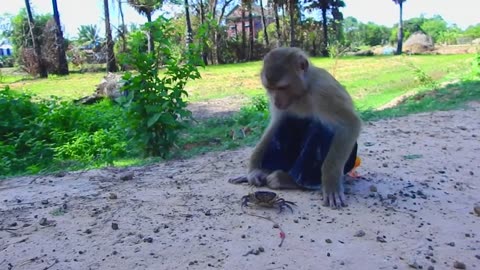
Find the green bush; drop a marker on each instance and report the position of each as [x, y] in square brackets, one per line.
[45, 134]
[155, 103]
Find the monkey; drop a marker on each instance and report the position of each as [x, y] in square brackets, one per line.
[296, 88]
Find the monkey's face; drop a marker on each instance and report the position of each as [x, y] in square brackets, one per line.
[284, 76]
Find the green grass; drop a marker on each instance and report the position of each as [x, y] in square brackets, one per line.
[372, 81]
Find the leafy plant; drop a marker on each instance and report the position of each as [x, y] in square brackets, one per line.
[155, 104]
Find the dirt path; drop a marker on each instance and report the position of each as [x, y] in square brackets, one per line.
[414, 205]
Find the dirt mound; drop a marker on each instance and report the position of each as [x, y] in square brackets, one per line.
[412, 208]
[418, 42]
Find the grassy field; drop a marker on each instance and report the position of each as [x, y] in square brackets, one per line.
[372, 81]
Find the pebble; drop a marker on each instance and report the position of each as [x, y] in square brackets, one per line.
[452, 244]
[373, 188]
[112, 196]
[148, 240]
[459, 265]
[13, 224]
[477, 256]
[360, 233]
[127, 176]
[44, 202]
[381, 239]
[88, 231]
[431, 268]
[476, 209]
[115, 226]
[328, 241]
[43, 222]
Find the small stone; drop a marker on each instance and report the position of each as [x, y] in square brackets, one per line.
[44, 202]
[452, 244]
[43, 222]
[459, 265]
[328, 241]
[112, 196]
[414, 265]
[156, 230]
[127, 176]
[243, 236]
[148, 240]
[261, 249]
[295, 220]
[373, 188]
[88, 231]
[13, 224]
[114, 226]
[431, 268]
[360, 233]
[208, 213]
[381, 239]
[477, 256]
[385, 165]
[328, 254]
[476, 209]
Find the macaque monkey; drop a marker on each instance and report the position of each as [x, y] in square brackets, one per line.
[297, 88]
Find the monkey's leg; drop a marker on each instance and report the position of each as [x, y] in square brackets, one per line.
[256, 174]
[281, 180]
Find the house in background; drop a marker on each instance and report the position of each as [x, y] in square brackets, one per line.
[233, 20]
[6, 49]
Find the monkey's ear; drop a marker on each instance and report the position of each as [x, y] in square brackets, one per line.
[302, 63]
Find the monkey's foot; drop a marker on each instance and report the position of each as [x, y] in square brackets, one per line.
[238, 180]
[334, 199]
[257, 178]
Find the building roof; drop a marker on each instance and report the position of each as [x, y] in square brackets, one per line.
[256, 12]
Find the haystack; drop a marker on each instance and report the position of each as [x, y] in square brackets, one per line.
[418, 42]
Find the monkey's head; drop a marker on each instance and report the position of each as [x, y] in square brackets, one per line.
[284, 75]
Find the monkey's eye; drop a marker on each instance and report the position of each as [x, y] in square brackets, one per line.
[282, 88]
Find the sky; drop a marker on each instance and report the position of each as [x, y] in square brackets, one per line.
[74, 13]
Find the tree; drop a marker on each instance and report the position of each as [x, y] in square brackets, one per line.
[292, 8]
[250, 29]
[111, 63]
[189, 23]
[89, 35]
[264, 23]
[42, 68]
[147, 8]
[277, 22]
[400, 26]
[62, 57]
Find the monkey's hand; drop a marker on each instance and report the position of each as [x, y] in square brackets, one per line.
[332, 187]
[257, 177]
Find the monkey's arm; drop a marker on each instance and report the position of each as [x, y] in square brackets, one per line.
[346, 134]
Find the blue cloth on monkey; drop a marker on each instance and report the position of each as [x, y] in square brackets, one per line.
[299, 147]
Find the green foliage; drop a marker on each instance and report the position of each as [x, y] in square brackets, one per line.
[89, 35]
[155, 104]
[473, 31]
[476, 65]
[421, 76]
[43, 134]
[20, 35]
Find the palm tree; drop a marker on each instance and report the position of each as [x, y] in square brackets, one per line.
[111, 63]
[292, 7]
[277, 21]
[42, 68]
[264, 23]
[89, 35]
[244, 34]
[62, 57]
[400, 26]
[189, 23]
[250, 29]
[147, 8]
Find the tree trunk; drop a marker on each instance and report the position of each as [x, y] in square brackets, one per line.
[277, 23]
[292, 23]
[36, 46]
[111, 63]
[244, 35]
[124, 27]
[202, 20]
[325, 32]
[400, 30]
[62, 57]
[251, 31]
[265, 34]
[151, 48]
[189, 24]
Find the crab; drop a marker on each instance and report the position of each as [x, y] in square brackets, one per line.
[267, 199]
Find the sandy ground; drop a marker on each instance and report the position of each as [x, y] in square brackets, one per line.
[412, 207]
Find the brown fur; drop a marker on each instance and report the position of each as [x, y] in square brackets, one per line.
[295, 86]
